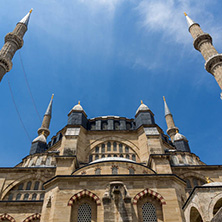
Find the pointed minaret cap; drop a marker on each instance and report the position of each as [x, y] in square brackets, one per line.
[25, 20]
[40, 138]
[142, 107]
[77, 108]
[49, 109]
[166, 108]
[190, 22]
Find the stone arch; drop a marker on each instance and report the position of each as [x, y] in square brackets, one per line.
[7, 217]
[192, 174]
[212, 204]
[195, 215]
[32, 217]
[16, 182]
[217, 206]
[149, 192]
[82, 194]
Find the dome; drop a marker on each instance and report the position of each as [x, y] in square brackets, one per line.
[77, 107]
[213, 184]
[179, 136]
[142, 107]
[40, 138]
[112, 159]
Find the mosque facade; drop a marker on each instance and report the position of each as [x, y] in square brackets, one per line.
[111, 168]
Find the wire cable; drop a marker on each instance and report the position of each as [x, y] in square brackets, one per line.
[13, 99]
[29, 89]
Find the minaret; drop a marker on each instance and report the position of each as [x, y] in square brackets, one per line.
[39, 143]
[172, 129]
[13, 42]
[203, 43]
[44, 129]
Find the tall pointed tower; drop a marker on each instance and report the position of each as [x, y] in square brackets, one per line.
[13, 42]
[39, 143]
[203, 43]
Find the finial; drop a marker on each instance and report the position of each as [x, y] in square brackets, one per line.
[177, 131]
[208, 180]
[79, 102]
[43, 132]
[185, 13]
[164, 99]
[141, 101]
[52, 96]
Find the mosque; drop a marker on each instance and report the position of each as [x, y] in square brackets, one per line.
[111, 168]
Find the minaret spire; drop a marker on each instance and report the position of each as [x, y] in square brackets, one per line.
[13, 42]
[203, 43]
[39, 144]
[44, 129]
[172, 129]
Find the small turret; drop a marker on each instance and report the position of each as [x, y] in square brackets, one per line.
[13, 42]
[39, 144]
[181, 142]
[77, 116]
[144, 116]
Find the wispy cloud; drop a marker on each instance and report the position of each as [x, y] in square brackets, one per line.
[167, 17]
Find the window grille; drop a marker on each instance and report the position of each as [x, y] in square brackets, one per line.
[42, 196]
[97, 149]
[127, 156]
[103, 148]
[96, 157]
[10, 197]
[149, 213]
[120, 148]
[34, 195]
[20, 187]
[133, 157]
[90, 158]
[127, 149]
[84, 213]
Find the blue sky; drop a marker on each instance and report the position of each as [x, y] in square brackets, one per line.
[110, 54]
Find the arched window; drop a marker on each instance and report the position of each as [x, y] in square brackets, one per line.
[10, 197]
[48, 161]
[20, 187]
[114, 146]
[42, 196]
[36, 187]
[103, 156]
[195, 215]
[134, 157]
[98, 171]
[114, 170]
[120, 148]
[97, 149]
[195, 182]
[34, 195]
[217, 206]
[131, 170]
[115, 155]
[127, 149]
[26, 196]
[28, 186]
[103, 148]
[97, 157]
[84, 213]
[188, 183]
[18, 196]
[121, 155]
[149, 212]
[109, 155]
[127, 156]
[108, 146]
[90, 158]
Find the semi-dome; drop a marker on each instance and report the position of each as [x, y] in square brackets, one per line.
[212, 184]
[178, 137]
[142, 107]
[112, 159]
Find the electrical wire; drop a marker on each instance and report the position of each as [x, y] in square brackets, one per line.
[29, 89]
[13, 99]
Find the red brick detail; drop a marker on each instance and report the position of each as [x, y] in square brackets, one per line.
[151, 193]
[8, 217]
[32, 217]
[82, 194]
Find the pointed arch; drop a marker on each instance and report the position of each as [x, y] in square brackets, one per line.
[151, 193]
[32, 217]
[7, 217]
[82, 194]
